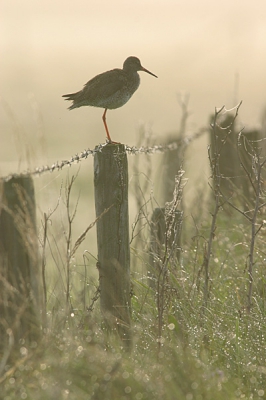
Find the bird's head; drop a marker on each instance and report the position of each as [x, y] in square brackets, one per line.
[133, 64]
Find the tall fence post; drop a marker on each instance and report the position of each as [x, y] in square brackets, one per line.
[19, 272]
[111, 192]
[235, 154]
[249, 147]
[223, 142]
[163, 238]
[157, 242]
[171, 164]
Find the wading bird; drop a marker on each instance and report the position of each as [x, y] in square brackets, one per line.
[110, 90]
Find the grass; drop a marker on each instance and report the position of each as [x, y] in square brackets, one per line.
[212, 356]
[208, 344]
[201, 356]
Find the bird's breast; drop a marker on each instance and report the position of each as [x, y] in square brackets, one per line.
[125, 91]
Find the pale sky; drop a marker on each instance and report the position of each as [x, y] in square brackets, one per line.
[49, 48]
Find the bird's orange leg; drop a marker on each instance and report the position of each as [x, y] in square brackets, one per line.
[105, 125]
[106, 128]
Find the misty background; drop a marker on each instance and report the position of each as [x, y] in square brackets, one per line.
[215, 52]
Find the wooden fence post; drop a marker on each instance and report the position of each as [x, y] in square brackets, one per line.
[249, 149]
[224, 146]
[19, 272]
[233, 178]
[171, 164]
[111, 191]
[159, 237]
[157, 241]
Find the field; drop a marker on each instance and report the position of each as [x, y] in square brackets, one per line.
[198, 318]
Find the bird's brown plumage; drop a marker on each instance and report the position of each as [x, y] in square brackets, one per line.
[111, 89]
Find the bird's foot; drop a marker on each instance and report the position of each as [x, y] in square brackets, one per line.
[111, 142]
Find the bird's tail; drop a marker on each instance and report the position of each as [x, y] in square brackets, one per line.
[71, 97]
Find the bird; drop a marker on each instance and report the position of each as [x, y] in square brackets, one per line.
[110, 90]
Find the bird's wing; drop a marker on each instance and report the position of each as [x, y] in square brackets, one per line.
[104, 85]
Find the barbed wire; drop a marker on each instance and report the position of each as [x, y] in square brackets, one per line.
[149, 150]
[176, 144]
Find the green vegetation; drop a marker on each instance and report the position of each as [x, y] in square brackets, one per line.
[216, 354]
[198, 332]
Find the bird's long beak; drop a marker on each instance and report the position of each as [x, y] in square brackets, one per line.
[148, 72]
